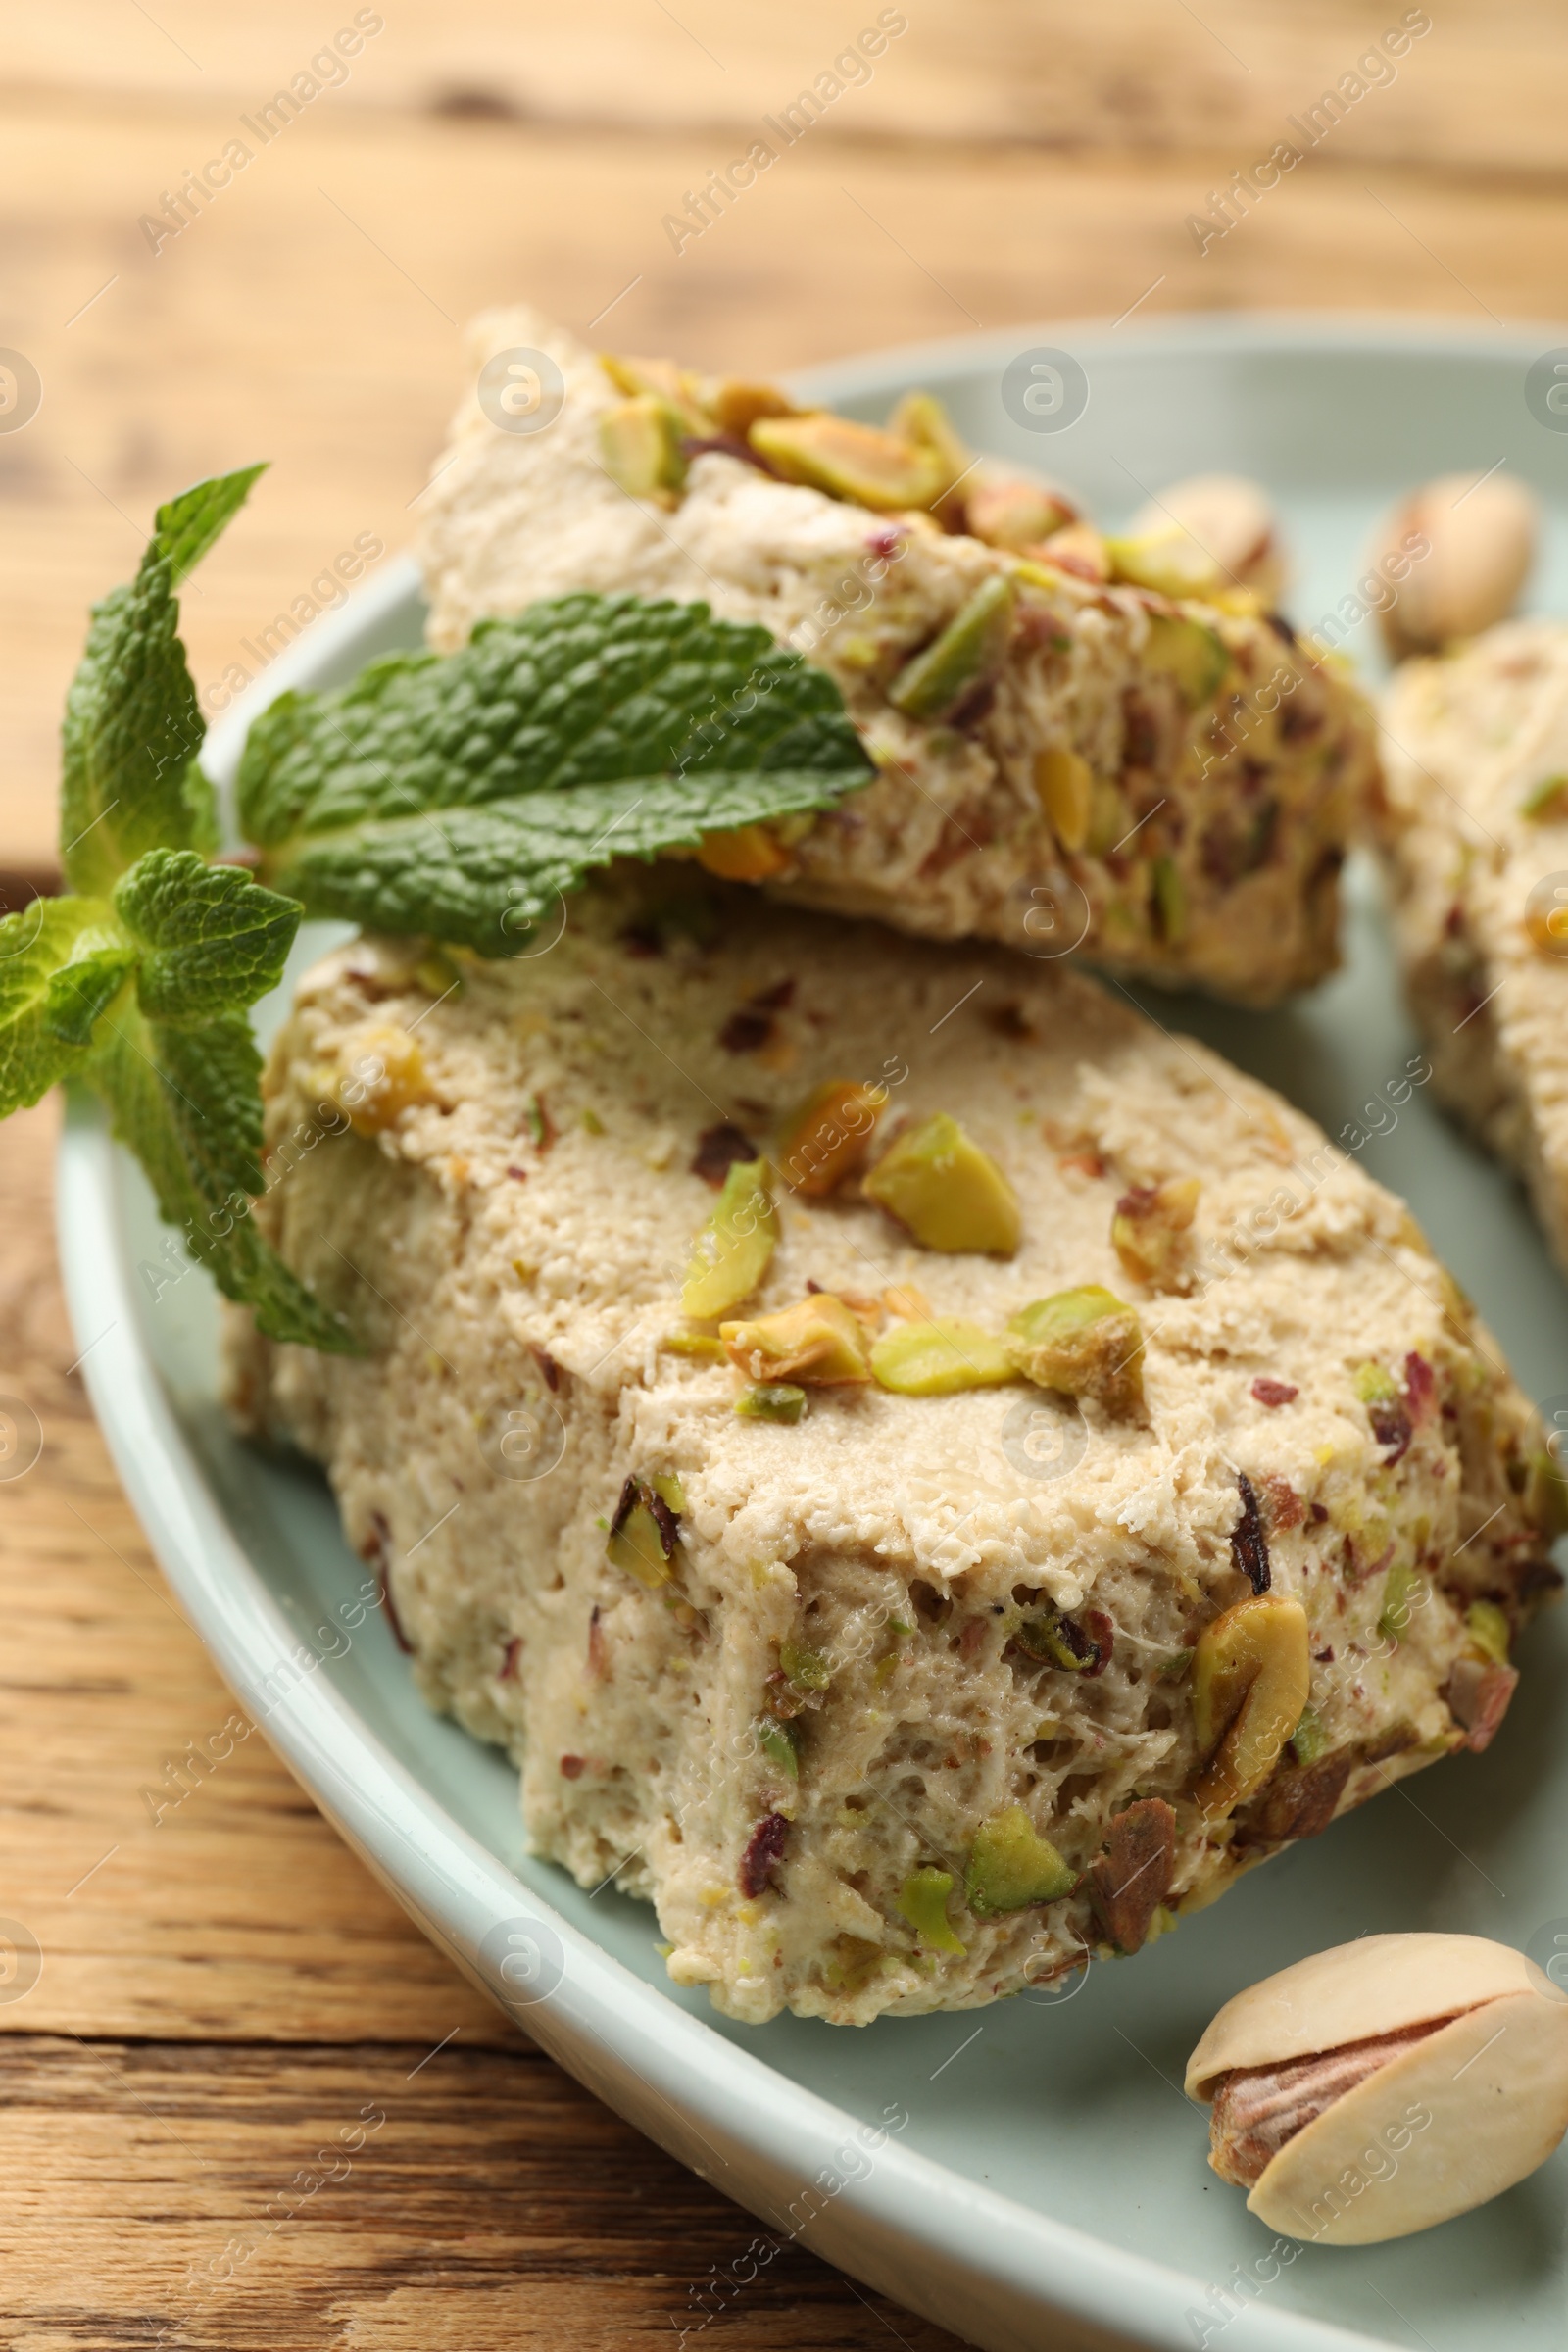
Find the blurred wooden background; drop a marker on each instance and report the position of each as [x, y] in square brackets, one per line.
[223, 1990]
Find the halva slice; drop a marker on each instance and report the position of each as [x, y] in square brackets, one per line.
[1112, 745]
[1475, 840]
[779, 1429]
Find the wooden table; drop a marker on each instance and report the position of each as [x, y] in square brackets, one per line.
[223, 1990]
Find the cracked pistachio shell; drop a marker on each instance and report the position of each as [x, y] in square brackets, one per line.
[1448, 2124]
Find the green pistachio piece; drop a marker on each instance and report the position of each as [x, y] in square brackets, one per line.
[640, 443]
[923, 1903]
[949, 1193]
[771, 1400]
[851, 461]
[705, 1346]
[969, 653]
[935, 1359]
[1309, 1739]
[818, 1341]
[780, 1742]
[1375, 1383]
[732, 1251]
[1170, 561]
[643, 1534]
[1393, 1623]
[805, 1669]
[921, 420]
[1057, 1641]
[1012, 1866]
[1488, 1628]
[1191, 653]
[1170, 902]
[675, 386]
[1083, 1342]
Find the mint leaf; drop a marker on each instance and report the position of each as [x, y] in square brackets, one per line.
[49, 951]
[187, 1102]
[133, 727]
[457, 795]
[188, 524]
[83, 988]
[176, 1061]
[213, 939]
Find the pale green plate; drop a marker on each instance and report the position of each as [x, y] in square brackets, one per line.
[1028, 2173]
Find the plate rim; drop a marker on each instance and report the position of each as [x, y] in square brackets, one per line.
[971, 2258]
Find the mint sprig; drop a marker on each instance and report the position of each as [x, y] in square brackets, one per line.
[453, 797]
[139, 983]
[457, 795]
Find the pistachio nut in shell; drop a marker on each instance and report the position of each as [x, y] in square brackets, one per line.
[1460, 550]
[1384, 2085]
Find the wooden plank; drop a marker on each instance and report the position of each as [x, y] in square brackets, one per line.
[382, 2200]
[226, 1911]
[1486, 86]
[310, 315]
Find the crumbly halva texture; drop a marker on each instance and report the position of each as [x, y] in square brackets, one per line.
[1167, 783]
[1475, 838]
[837, 1692]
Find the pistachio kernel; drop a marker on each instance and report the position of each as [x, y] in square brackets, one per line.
[949, 1192]
[1488, 1628]
[849, 460]
[643, 1535]
[732, 1251]
[780, 1742]
[1011, 1866]
[968, 654]
[819, 1342]
[825, 1139]
[1065, 783]
[1010, 512]
[921, 420]
[1169, 563]
[938, 1358]
[640, 443]
[1082, 1342]
[1251, 1672]
[735, 406]
[659, 380]
[805, 1669]
[771, 1401]
[922, 1900]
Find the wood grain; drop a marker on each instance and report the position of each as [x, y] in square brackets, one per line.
[384, 2201]
[223, 1990]
[311, 313]
[1484, 87]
